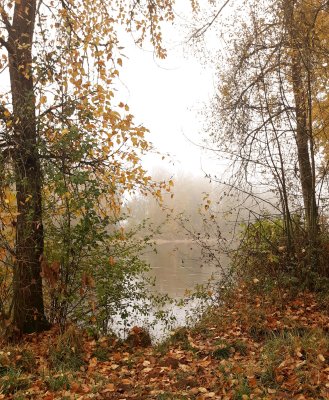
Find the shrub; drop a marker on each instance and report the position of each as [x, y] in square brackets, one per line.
[262, 249]
[265, 254]
[91, 267]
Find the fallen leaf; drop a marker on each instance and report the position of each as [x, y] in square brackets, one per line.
[109, 388]
[202, 390]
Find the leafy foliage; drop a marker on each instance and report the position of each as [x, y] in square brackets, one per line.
[71, 153]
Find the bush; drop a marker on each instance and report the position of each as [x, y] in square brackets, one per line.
[265, 254]
[92, 268]
[262, 250]
[91, 265]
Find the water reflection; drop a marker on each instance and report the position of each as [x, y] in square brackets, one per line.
[177, 267]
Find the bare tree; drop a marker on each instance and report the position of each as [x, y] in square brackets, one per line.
[263, 115]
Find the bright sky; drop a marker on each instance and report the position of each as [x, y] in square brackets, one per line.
[166, 96]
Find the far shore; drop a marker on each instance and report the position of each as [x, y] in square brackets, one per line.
[165, 241]
[181, 241]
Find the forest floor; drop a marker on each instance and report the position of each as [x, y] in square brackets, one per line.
[273, 346]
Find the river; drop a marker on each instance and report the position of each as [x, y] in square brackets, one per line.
[177, 267]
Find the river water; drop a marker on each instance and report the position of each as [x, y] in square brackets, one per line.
[177, 267]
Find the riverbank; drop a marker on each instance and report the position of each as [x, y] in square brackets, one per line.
[269, 346]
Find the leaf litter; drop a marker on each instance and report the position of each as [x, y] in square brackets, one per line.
[250, 347]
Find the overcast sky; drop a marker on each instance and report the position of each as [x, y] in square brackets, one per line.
[167, 96]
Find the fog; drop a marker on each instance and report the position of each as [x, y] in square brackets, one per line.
[183, 208]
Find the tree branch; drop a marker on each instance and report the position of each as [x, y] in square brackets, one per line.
[5, 19]
[5, 44]
[199, 32]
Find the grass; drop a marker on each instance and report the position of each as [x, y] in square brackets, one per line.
[67, 352]
[26, 360]
[218, 358]
[307, 344]
[171, 396]
[101, 353]
[243, 390]
[222, 353]
[14, 357]
[58, 382]
[240, 347]
[13, 381]
[178, 338]
[226, 349]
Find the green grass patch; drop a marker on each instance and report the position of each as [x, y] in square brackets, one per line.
[171, 396]
[101, 353]
[242, 390]
[222, 353]
[240, 347]
[58, 382]
[306, 344]
[13, 381]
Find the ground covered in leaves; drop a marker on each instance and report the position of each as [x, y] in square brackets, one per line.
[252, 347]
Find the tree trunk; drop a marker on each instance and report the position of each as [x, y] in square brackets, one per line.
[302, 140]
[28, 298]
[303, 128]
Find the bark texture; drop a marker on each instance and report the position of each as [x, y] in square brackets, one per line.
[28, 297]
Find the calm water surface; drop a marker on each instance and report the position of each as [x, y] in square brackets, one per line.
[177, 267]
